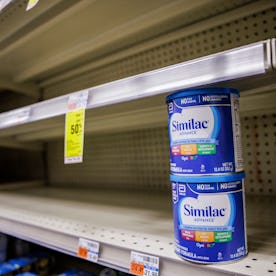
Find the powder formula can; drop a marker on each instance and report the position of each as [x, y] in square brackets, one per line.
[204, 132]
[209, 218]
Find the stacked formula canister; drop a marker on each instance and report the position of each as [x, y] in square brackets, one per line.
[207, 175]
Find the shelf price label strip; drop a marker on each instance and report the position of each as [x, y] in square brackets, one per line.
[88, 250]
[74, 128]
[143, 264]
[17, 116]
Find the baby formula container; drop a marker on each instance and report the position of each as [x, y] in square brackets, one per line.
[204, 132]
[209, 218]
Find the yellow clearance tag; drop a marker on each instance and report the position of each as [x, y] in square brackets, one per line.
[74, 136]
[74, 128]
[31, 4]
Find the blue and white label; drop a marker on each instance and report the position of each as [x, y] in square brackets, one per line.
[205, 135]
[209, 221]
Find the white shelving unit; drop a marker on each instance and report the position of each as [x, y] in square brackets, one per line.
[120, 221]
[62, 216]
[142, 96]
[125, 213]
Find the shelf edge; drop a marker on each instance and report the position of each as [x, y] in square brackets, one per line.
[250, 60]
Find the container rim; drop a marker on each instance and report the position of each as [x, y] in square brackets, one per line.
[204, 91]
[208, 178]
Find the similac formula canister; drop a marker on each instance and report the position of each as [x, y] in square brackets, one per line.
[204, 131]
[209, 218]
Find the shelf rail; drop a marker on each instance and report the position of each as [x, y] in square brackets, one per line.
[246, 61]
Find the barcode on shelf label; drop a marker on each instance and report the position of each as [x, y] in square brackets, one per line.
[143, 264]
[88, 250]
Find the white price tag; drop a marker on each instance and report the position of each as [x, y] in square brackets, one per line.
[78, 100]
[88, 250]
[143, 264]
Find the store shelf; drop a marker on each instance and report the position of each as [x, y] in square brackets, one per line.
[51, 51]
[140, 100]
[32, 39]
[140, 114]
[122, 222]
[273, 50]
[247, 61]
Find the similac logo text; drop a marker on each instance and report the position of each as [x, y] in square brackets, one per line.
[205, 210]
[192, 123]
[208, 211]
[189, 125]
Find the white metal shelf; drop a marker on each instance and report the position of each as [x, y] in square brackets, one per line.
[247, 61]
[56, 218]
[273, 50]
